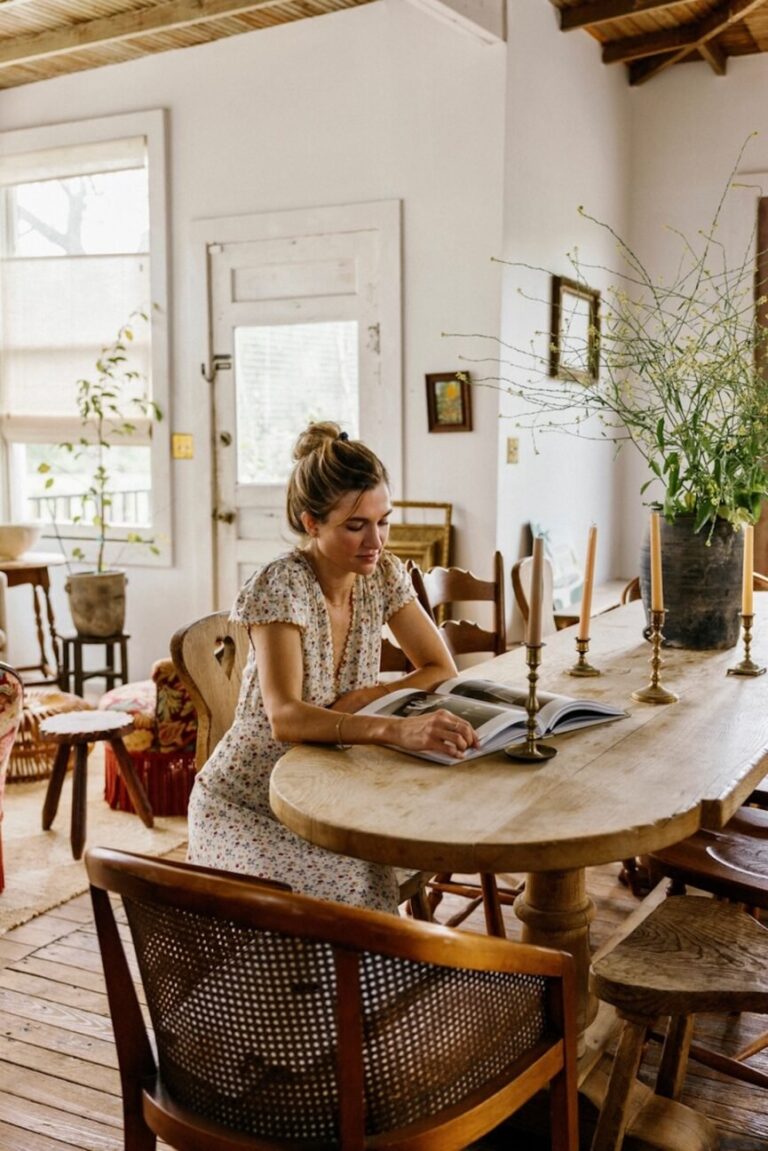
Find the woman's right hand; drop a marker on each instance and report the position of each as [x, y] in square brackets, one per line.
[438, 731]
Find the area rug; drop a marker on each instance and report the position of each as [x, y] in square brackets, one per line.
[40, 872]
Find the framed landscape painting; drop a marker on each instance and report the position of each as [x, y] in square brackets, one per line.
[449, 404]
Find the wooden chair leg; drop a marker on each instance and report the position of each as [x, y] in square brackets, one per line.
[494, 920]
[674, 1056]
[419, 906]
[612, 1120]
[53, 793]
[138, 796]
[79, 800]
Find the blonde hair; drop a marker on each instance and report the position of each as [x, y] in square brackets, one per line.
[327, 466]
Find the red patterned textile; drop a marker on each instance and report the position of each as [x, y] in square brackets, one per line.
[162, 746]
[11, 699]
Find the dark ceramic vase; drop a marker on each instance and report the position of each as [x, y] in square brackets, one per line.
[702, 583]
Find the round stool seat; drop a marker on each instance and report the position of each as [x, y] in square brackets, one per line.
[82, 727]
[33, 754]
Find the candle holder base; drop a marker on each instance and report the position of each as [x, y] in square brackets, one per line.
[654, 693]
[746, 667]
[524, 753]
[582, 667]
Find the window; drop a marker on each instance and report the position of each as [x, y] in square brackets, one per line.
[82, 249]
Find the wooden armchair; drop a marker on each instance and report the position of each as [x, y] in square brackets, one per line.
[284, 1021]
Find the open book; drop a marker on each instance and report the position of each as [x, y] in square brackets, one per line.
[495, 710]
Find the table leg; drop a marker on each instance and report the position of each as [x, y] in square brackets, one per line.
[45, 585]
[556, 912]
[138, 796]
[53, 792]
[79, 799]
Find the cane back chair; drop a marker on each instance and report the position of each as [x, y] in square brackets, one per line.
[284, 1021]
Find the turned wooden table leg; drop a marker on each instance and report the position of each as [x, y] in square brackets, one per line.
[138, 796]
[556, 912]
[79, 800]
[53, 792]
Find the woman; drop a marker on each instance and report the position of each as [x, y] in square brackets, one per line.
[315, 618]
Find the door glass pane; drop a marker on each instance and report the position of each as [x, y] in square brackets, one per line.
[287, 375]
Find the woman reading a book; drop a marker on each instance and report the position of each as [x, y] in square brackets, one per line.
[315, 619]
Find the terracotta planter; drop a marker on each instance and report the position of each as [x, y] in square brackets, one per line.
[702, 584]
[97, 602]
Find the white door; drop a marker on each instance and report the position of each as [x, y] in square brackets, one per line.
[305, 325]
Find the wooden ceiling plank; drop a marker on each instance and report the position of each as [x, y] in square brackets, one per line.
[123, 26]
[602, 11]
[685, 39]
[715, 56]
[642, 70]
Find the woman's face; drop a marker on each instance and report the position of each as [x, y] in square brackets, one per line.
[354, 534]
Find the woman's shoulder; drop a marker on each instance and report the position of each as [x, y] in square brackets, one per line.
[275, 591]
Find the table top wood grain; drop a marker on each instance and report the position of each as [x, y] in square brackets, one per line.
[612, 791]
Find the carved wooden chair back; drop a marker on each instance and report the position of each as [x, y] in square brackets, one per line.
[451, 586]
[282, 1020]
[210, 657]
[521, 587]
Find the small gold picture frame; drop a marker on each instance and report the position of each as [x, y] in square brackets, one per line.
[449, 403]
[574, 349]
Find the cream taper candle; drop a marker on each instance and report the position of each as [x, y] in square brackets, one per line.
[657, 587]
[534, 609]
[747, 586]
[589, 580]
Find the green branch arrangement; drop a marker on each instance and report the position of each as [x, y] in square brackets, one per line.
[683, 367]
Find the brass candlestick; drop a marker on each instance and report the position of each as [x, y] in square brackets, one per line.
[531, 750]
[747, 666]
[582, 667]
[654, 692]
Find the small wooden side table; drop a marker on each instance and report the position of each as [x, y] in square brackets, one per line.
[32, 568]
[71, 669]
[77, 729]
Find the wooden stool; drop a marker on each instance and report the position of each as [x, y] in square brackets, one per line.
[78, 729]
[691, 954]
[114, 671]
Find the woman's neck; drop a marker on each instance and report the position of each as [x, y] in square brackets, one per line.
[336, 586]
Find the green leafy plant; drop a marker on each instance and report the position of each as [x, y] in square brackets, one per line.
[682, 376]
[105, 411]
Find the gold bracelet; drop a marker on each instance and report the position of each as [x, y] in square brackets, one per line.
[341, 746]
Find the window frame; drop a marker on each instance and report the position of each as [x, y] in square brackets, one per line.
[15, 431]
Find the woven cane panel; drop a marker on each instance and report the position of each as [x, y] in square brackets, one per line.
[244, 1022]
[434, 1034]
[245, 1026]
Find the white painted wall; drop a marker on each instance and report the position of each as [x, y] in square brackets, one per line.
[379, 102]
[567, 144]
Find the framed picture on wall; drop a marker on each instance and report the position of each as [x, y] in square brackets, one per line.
[574, 348]
[449, 402]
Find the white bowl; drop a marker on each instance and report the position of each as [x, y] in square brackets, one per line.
[16, 539]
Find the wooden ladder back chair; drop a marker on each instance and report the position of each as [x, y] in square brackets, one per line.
[449, 586]
[522, 571]
[284, 1021]
[210, 657]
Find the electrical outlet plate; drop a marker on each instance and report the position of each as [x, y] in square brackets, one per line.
[513, 449]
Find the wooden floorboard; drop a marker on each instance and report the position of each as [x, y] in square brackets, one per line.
[59, 1086]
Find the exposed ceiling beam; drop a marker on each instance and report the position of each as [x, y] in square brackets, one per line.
[715, 56]
[602, 11]
[123, 26]
[681, 41]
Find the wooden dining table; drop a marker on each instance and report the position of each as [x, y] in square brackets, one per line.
[611, 792]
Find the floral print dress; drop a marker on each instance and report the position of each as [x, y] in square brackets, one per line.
[231, 824]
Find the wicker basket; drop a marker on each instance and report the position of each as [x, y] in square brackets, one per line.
[32, 757]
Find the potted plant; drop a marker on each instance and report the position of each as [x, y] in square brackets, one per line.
[681, 377]
[107, 403]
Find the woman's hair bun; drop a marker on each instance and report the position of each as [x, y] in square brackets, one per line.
[314, 437]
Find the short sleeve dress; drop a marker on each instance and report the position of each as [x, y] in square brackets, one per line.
[231, 824]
